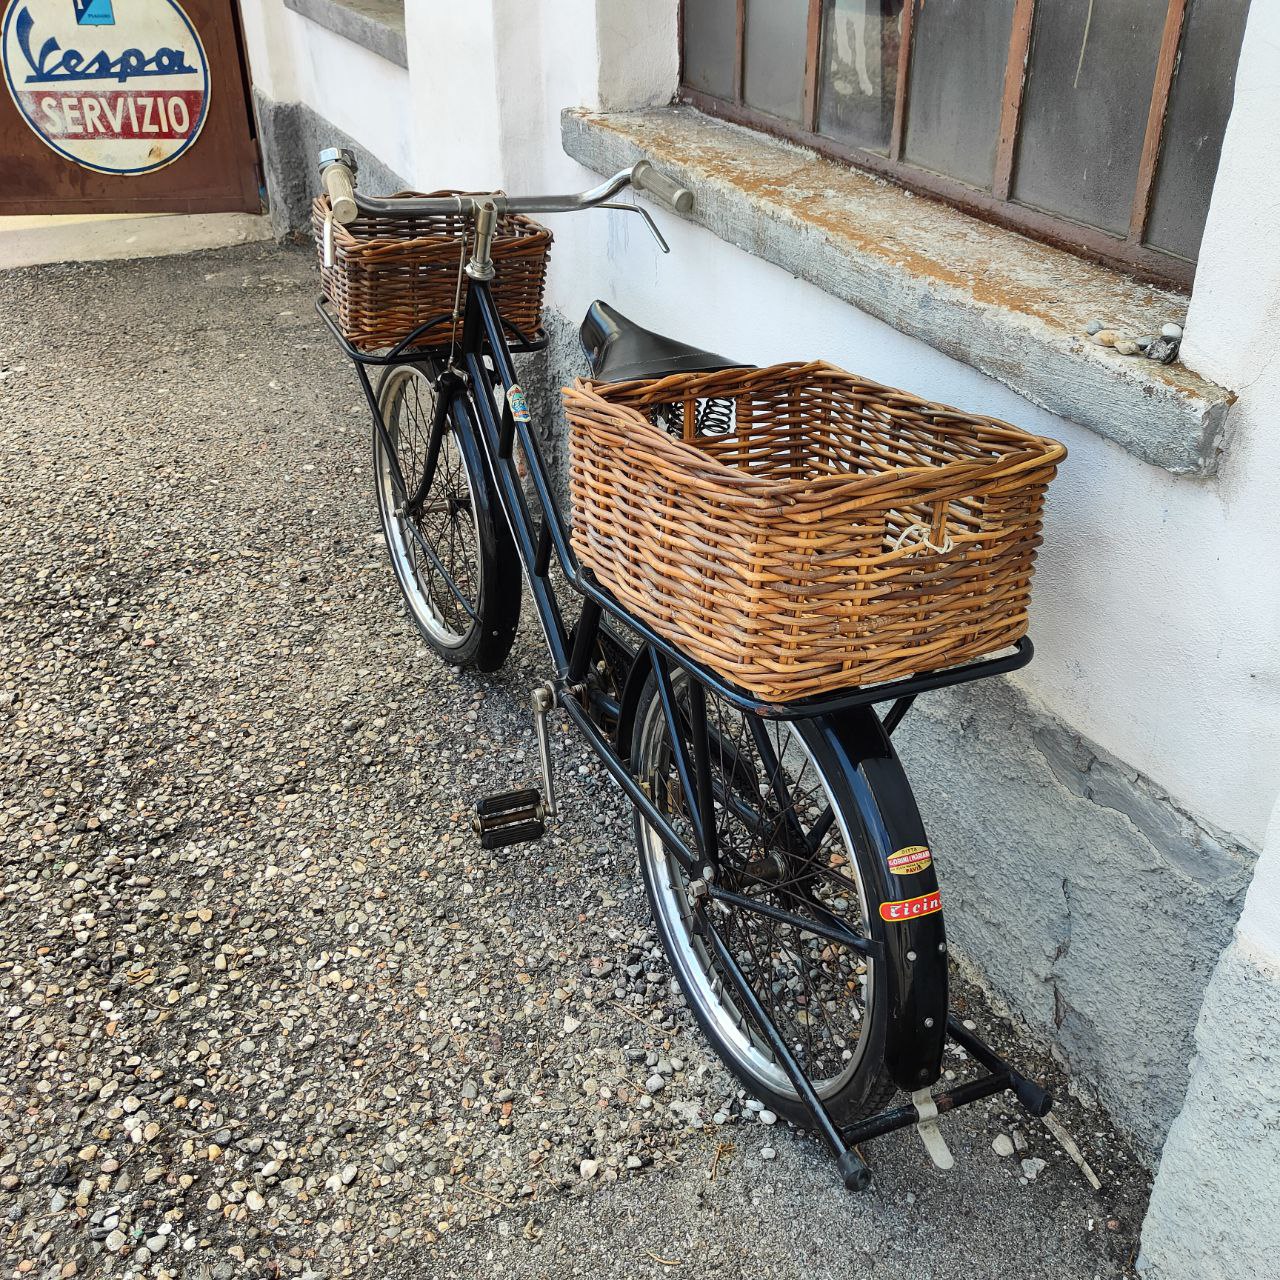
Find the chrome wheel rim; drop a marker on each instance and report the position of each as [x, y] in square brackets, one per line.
[447, 519]
[844, 1026]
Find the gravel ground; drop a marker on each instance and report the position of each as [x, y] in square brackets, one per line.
[268, 1010]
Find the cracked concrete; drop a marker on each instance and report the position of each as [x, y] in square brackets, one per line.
[1083, 899]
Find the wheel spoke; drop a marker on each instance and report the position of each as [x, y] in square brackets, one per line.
[786, 899]
[435, 547]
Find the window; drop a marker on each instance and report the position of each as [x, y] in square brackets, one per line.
[1094, 124]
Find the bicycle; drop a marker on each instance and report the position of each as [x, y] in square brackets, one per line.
[784, 857]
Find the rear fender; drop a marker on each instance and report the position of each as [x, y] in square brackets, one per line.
[637, 675]
[905, 906]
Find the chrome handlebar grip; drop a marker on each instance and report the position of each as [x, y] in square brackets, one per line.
[667, 191]
[338, 176]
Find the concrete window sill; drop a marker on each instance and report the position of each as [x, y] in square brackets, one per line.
[1012, 308]
[376, 25]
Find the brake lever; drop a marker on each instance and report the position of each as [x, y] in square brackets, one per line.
[644, 213]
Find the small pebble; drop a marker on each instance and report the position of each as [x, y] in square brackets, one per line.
[1031, 1167]
[767, 1153]
[589, 1168]
[767, 1117]
[1171, 331]
[655, 1083]
[1002, 1145]
[1165, 350]
[1126, 347]
[1105, 337]
[1144, 342]
[1093, 326]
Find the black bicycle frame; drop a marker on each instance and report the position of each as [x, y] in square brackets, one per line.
[479, 393]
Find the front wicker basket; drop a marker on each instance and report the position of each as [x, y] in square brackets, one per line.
[809, 530]
[394, 272]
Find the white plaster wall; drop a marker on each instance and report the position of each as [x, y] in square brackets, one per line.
[1157, 603]
[1216, 1196]
[1259, 928]
[1158, 597]
[1157, 610]
[367, 97]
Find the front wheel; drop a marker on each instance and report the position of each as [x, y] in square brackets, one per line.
[448, 540]
[790, 834]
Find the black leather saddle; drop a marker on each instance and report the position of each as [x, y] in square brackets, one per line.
[618, 349]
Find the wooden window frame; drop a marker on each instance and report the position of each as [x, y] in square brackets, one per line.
[1127, 253]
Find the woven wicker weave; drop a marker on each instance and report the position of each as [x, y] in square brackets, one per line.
[810, 530]
[394, 272]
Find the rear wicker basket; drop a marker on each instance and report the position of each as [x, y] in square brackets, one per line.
[810, 530]
[393, 272]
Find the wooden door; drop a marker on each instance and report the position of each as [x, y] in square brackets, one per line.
[114, 106]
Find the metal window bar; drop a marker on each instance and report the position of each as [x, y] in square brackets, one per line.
[1129, 252]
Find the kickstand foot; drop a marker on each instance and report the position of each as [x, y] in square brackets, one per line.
[927, 1127]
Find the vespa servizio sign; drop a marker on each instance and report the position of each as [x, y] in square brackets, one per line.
[118, 86]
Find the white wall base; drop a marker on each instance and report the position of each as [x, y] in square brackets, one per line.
[29, 241]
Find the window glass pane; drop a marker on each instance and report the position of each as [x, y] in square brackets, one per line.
[860, 42]
[1084, 113]
[1199, 104]
[773, 68]
[958, 56]
[710, 34]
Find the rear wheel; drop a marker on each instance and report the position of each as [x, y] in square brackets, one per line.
[448, 540]
[789, 834]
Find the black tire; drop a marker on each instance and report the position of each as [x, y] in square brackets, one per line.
[460, 518]
[850, 1078]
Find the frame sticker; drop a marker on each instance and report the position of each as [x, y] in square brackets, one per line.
[909, 908]
[519, 405]
[909, 860]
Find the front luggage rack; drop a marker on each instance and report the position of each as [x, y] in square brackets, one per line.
[405, 352]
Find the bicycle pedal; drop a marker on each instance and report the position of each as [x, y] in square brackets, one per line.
[511, 817]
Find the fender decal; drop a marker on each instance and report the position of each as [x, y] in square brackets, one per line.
[909, 860]
[909, 908]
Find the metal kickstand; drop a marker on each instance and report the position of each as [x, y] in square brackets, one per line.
[927, 1127]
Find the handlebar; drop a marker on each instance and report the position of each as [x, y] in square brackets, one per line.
[338, 168]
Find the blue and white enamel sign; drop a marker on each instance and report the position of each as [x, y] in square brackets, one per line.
[118, 86]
